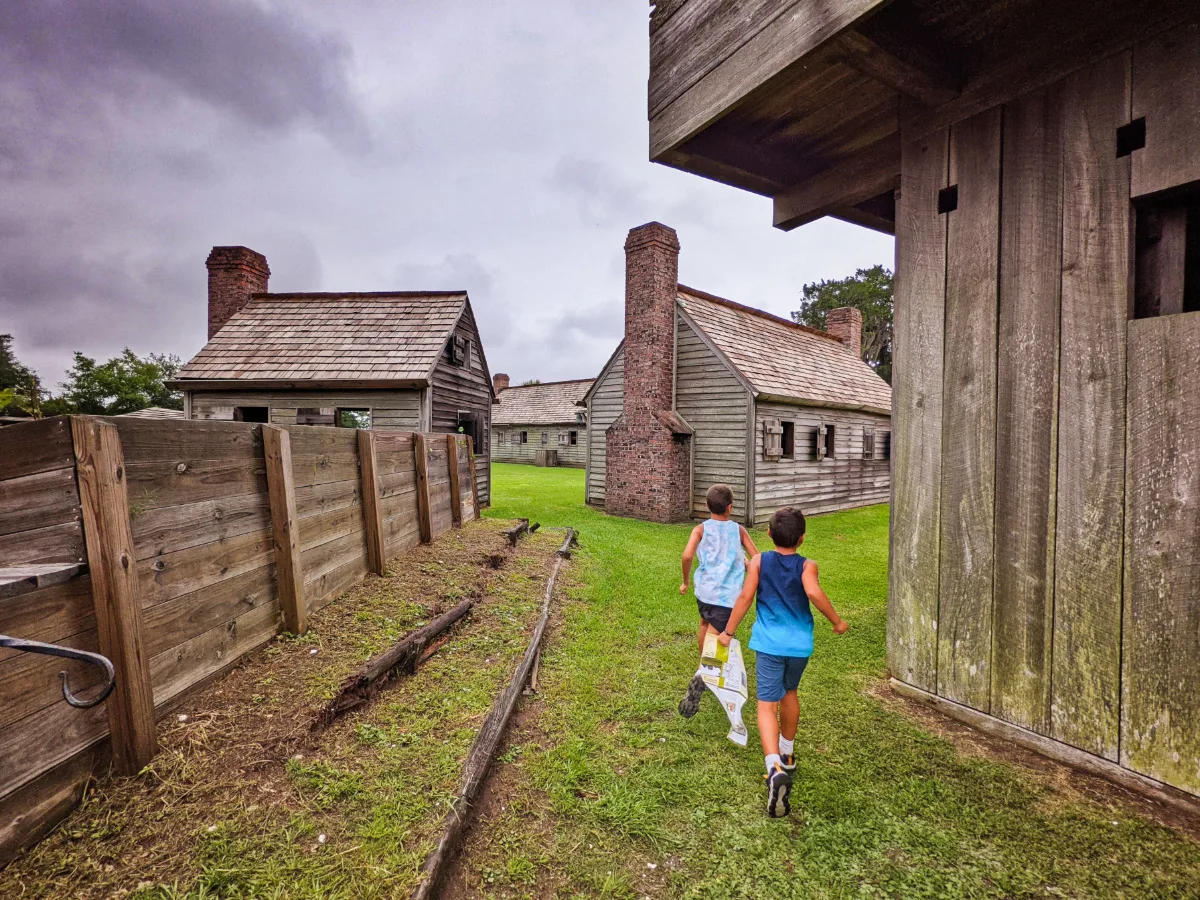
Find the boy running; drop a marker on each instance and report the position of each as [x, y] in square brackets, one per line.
[782, 639]
[722, 546]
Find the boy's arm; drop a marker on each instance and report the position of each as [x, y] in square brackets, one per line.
[689, 555]
[745, 598]
[817, 598]
[748, 543]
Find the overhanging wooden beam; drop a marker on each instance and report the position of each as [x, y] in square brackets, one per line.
[924, 80]
[867, 174]
[804, 27]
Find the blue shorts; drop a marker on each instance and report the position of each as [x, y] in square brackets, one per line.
[777, 675]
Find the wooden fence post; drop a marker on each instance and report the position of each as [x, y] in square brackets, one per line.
[372, 517]
[277, 451]
[474, 476]
[424, 514]
[108, 536]
[455, 486]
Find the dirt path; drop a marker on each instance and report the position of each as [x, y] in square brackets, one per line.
[242, 801]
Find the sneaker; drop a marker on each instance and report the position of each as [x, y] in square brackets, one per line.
[690, 704]
[788, 763]
[779, 792]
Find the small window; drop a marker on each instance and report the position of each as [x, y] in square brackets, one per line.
[825, 441]
[460, 351]
[524, 438]
[573, 438]
[787, 440]
[252, 414]
[885, 445]
[468, 424]
[1166, 271]
[354, 418]
[545, 437]
[311, 415]
[868, 443]
[830, 441]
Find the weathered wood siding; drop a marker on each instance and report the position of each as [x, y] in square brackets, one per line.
[842, 480]
[713, 400]
[466, 388]
[505, 446]
[1066, 493]
[608, 399]
[389, 409]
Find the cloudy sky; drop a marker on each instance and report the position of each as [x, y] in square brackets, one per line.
[494, 145]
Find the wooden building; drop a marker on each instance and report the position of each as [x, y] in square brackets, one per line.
[782, 413]
[545, 417]
[1037, 162]
[407, 360]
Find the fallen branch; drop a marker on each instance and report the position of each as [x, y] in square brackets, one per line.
[571, 540]
[402, 658]
[512, 534]
[483, 751]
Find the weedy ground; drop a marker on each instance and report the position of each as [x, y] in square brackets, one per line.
[242, 801]
[602, 790]
[607, 792]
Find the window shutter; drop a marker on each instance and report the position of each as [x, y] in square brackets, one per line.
[868, 443]
[562, 438]
[772, 439]
[822, 435]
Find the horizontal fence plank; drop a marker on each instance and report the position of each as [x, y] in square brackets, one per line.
[315, 499]
[177, 621]
[36, 446]
[171, 575]
[41, 741]
[38, 500]
[48, 614]
[169, 528]
[176, 481]
[52, 544]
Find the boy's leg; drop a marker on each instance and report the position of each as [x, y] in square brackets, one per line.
[690, 704]
[769, 671]
[789, 715]
[768, 729]
[700, 635]
[789, 710]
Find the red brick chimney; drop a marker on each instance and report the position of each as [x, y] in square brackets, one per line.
[234, 273]
[499, 382]
[845, 324]
[647, 452]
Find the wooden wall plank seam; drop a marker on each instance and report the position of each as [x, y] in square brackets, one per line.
[108, 536]
[967, 516]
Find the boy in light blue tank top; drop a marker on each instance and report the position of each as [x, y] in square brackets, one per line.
[782, 639]
[722, 546]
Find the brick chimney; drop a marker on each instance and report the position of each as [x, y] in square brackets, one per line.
[499, 382]
[234, 273]
[647, 452]
[845, 324]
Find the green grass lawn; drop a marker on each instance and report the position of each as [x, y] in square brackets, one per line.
[611, 793]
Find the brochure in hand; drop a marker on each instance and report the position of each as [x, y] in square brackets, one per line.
[725, 674]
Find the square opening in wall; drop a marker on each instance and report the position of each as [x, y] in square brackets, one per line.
[1166, 265]
[788, 440]
[354, 418]
[251, 414]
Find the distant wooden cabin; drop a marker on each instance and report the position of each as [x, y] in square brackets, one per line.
[1037, 161]
[545, 416]
[406, 360]
[784, 414]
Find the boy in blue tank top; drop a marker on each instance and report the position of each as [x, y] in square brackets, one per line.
[782, 639]
[722, 546]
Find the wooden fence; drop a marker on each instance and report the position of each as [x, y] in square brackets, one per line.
[200, 541]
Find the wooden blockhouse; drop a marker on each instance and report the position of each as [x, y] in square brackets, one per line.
[544, 417]
[1037, 161]
[405, 360]
[784, 414]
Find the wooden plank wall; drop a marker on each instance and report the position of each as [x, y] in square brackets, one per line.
[389, 409]
[842, 480]
[604, 409]
[200, 518]
[506, 448]
[714, 402]
[1160, 710]
[468, 388]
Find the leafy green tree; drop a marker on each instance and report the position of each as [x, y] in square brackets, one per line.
[531, 381]
[122, 384]
[870, 292]
[19, 392]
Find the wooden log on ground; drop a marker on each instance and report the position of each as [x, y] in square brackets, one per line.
[483, 751]
[571, 540]
[402, 658]
[512, 534]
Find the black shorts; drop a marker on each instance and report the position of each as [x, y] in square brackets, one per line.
[716, 616]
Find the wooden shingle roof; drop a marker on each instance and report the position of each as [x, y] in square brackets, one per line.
[384, 337]
[782, 360]
[156, 412]
[552, 403]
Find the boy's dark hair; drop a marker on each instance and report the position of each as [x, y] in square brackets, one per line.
[719, 498]
[787, 527]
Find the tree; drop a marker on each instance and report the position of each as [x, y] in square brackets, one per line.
[530, 381]
[870, 292]
[123, 384]
[19, 392]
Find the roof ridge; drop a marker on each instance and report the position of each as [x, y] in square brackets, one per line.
[513, 387]
[761, 313]
[351, 295]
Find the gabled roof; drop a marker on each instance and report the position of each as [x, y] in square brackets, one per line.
[309, 338]
[550, 403]
[782, 360]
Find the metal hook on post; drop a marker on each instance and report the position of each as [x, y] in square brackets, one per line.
[84, 656]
